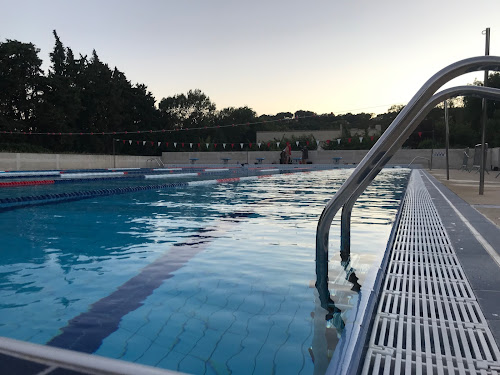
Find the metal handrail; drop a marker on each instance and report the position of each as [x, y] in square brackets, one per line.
[420, 157]
[158, 161]
[378, 156]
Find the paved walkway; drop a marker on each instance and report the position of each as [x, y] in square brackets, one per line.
[466, 186]
[473, 224]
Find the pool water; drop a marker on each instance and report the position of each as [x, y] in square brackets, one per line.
[213, 279]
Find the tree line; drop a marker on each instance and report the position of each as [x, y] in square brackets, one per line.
[84, 95]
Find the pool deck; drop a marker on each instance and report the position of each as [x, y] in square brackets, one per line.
[466, 186]
[482, 213]
[439, 310]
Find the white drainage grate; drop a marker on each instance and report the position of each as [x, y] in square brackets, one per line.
[428, 320]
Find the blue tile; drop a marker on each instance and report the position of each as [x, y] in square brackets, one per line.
[188, 339]
[114, 345]
[259, 326]
[288, 360]
[220, 320]
[175, 323]
[154, 355]
[244, 361]
[272, 303]
[192, 365]
[171, 360]
[308, 368]
[218, 298]
[151, 329]
[135, 348]
[210, 369]
[240, 325]
[264, 363]
[229, 346]
[206, 344]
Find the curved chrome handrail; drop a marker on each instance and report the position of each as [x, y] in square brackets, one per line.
[384, 149]
[420, 157]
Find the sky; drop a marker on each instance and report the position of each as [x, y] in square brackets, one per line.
[273, 56]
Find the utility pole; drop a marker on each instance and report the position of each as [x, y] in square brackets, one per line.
[114, 153]
[432, 149]
[447, 139]
[484, 119]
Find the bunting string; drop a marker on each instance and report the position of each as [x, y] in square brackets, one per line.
[178, 129]
[232, 145]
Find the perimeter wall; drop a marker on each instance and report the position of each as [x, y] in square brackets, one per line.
[28, 161]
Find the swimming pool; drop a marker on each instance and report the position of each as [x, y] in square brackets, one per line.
[208, 279]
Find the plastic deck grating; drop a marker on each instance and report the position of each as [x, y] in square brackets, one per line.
[428, 320]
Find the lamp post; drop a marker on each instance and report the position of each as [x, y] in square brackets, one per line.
[484, 119]
[114, 153]
[447, 139]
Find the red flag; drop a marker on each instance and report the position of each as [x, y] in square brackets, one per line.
[232, 145]
[152, 143]
[199, 145]
[420, 134]
[215, 145]
[327, 141]
[371, 138]
[349, 140]
[250, 145]
[182, 144]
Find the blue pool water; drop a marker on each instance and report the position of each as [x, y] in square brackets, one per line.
[212, 279]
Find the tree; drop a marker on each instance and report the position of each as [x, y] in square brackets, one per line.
[473, 114]
[230, 116]
[186, 111]
[60, 106]
[20, 74]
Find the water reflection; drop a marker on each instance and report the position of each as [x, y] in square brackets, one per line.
[339, 304]
[329, 313]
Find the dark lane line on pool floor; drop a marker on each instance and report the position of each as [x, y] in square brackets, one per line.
[85, 332]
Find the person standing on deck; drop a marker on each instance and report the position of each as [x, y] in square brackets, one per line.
[305, 155]
[288, 152]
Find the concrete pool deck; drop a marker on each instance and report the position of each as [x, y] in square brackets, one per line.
[466, 186]
[473, 224]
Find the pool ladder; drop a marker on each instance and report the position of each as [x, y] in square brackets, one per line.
[378, 156]
[157, 161]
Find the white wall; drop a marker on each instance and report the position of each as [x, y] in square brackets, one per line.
[29, 161]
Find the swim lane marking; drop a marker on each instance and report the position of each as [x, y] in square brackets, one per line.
[85, 332]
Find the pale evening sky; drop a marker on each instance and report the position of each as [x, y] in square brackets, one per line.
[272, 56]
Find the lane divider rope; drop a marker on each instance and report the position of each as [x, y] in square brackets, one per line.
[18, 202]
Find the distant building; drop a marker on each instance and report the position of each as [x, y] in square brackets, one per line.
[319, 135]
